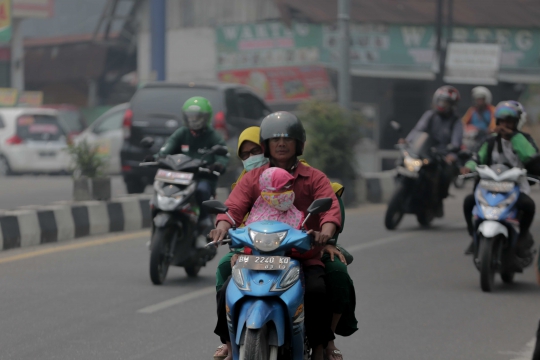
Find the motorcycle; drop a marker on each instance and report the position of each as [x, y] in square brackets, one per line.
[265, 306]
[496, 223]
[176, 231]
[416, 183]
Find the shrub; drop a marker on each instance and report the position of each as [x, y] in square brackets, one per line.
[332, 134]
[87, 160]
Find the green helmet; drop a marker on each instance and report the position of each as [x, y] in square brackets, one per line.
[282, 124]
[197, 112]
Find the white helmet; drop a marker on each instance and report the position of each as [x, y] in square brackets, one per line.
[482, 92]
[522, 116]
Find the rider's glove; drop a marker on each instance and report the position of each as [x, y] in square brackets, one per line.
[217, 167]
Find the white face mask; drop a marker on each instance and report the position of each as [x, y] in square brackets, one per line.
[254, 161]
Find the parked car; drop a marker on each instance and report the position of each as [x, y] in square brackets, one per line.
[106, 132]
[156, 111]
[32, 140]
[72, 116]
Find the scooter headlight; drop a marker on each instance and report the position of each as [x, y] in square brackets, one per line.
[168, 203]
[266, 242]
[290, 278]
[412, 164]
[238, 278]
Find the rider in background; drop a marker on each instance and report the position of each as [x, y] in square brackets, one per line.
[482, 114]
[198, 135]
[446, 131]
[512, 148]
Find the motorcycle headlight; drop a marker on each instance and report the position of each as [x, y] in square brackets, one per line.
[480, 197]
[290, 278]
[238, 278]
[491, 212]
[412, 164]
[168, 203]
[266, 242]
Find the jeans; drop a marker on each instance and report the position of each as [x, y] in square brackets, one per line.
[536, 354]
[203, 192]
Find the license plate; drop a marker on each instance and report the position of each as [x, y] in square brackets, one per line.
[175, 177]
[47, 153]
[254, 262]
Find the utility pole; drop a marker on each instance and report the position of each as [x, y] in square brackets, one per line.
[17, 56]
[158, 36]
[439, 45]
[344, 86]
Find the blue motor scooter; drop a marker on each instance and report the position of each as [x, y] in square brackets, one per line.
[496, 222]
[265, 299]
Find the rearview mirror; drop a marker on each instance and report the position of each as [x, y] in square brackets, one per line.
[320, 206]
[147, 142]
[220, 150]
[395, 125]
[215, 207]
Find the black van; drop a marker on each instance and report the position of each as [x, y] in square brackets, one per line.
[156, 110]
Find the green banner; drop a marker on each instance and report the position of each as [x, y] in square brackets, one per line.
[269, 44]
[372, 46]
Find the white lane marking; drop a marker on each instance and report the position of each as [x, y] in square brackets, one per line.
[380, 242]
[177, 300]
[524, 354]
[211, 289]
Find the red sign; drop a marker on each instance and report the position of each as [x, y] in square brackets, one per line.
[284, 84]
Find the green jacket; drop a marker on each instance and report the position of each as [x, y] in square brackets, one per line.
[182, 141]
[523, 148]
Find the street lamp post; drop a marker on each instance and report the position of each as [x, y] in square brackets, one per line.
[158, 36]
[344, 86]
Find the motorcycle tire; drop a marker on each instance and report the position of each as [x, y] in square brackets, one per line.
[459, 183]
[487, 266]
[256, 347]
[135, 186]
[159, 261]
[394, 211]
[192, 271]
[425, 218]
[508, 277]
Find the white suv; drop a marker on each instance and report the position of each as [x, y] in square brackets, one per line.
[32, 141]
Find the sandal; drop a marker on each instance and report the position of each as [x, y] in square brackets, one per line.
[334, 355]
[218, 355]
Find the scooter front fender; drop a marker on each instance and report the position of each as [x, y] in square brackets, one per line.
[258, 312]
[491, 229]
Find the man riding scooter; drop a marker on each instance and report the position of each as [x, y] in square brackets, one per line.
[446, 131]
[189, 140]
[481, 115]
[510, 147]
[282, 139]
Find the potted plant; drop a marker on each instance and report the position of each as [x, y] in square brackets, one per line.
[89, 179]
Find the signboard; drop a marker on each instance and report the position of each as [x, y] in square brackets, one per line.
[8, 97]
[374, 47]
[284, 84]
[5, 21]
[31, 98]
[468, 63]
[267, 44]
[33, 8]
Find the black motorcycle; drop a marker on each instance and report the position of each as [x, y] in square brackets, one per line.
[176, 231]
[417, 184]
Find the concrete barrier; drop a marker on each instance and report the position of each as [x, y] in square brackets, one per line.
[375, 187]
[35, 225]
